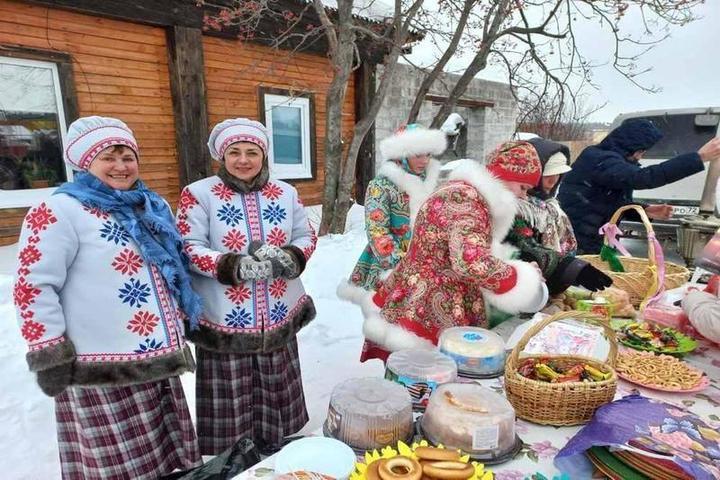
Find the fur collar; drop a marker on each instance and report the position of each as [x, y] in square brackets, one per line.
[418, 190]
[501, 201]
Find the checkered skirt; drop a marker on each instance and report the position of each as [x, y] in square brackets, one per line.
[139, 431]
[259, 396]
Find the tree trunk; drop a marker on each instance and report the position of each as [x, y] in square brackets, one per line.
[342, 62]
[478, 63]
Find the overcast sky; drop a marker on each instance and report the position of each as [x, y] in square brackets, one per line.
[686, 67]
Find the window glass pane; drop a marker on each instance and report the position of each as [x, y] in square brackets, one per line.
[30, 140]
[287, 135]
[680, 135]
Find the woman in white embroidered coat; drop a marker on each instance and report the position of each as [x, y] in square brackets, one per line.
[101, 287]
[456, 260]
[405, 179]
[248, 238]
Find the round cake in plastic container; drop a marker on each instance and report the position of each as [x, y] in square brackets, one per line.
[474, 419]
[420, 371]
[479, 353]
[369, 413]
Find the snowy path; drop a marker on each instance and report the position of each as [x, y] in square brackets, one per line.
[329, 352]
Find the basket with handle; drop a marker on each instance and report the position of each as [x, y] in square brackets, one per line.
[558, 404]
[643, 278]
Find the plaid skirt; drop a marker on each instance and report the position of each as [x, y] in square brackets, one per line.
[139, 431]
[259, 396]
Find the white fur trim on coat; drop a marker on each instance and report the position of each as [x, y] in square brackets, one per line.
[501, 202]
[409, 143]
[418, 190]
[375, 328]
[528, 295]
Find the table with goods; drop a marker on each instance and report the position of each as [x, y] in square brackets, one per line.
[521, 440]
[613, 384]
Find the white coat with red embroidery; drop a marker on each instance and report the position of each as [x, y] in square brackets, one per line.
[82, 278]
[213, 220]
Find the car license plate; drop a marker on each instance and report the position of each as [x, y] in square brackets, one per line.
[684, 210]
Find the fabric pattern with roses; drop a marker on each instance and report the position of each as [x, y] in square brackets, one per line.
[455, 263]
[388, 219]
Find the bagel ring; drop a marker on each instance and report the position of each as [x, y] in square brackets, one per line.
[432, 453]
[449, 470]
[400, 468]
[372, 470]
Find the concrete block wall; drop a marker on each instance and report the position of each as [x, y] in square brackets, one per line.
[487, 127]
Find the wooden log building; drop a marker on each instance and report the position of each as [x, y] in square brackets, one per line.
[155, 65]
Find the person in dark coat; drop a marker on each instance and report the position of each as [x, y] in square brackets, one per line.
[604, 177]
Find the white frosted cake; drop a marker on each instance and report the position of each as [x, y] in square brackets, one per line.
[369, 413]
[472, 418]
[477, 352]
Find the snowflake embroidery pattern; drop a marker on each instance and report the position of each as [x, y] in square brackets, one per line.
[149, 345]
[187, 200]
[143, 323]
[230, 214]
[221, 191]
[32, 331]
[271, 191]
[113, 232]
[96, 212]
[234, 240]
[308, 251]
[238, 318]
[24, 294]
[29, 255]
[203, 262]
[278, 288]
[39, 218]
[127, 262]
[134, 293]
[274, 214]
[238, 294]
[183, 227]
[276, 237]
[278, 312]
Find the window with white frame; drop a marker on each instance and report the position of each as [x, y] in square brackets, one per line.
[289, 120]
[32, 131]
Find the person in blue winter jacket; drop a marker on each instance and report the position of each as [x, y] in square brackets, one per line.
[605, 175]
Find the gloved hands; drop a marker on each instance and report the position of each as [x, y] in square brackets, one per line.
[54, 380]
[592, 278]
[283, 262]
[233, 269]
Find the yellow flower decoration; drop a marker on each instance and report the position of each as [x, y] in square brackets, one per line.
[409, 451]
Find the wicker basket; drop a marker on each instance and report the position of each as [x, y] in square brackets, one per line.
[571, 403]
[639, 279]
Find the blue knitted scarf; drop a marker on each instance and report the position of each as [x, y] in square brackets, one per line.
[149, 222]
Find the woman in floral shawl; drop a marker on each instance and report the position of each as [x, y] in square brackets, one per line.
[406, 178]
[456, 262]
[542, 232]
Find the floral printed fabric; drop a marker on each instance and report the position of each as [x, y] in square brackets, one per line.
[439, 283]
[387, 222]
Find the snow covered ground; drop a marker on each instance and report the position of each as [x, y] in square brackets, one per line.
[329, 352]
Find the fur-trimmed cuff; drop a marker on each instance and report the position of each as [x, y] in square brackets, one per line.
[299, 257]
[217, 341]
[226, 269]
[376, 328]
[49, 357]
[528, 295]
